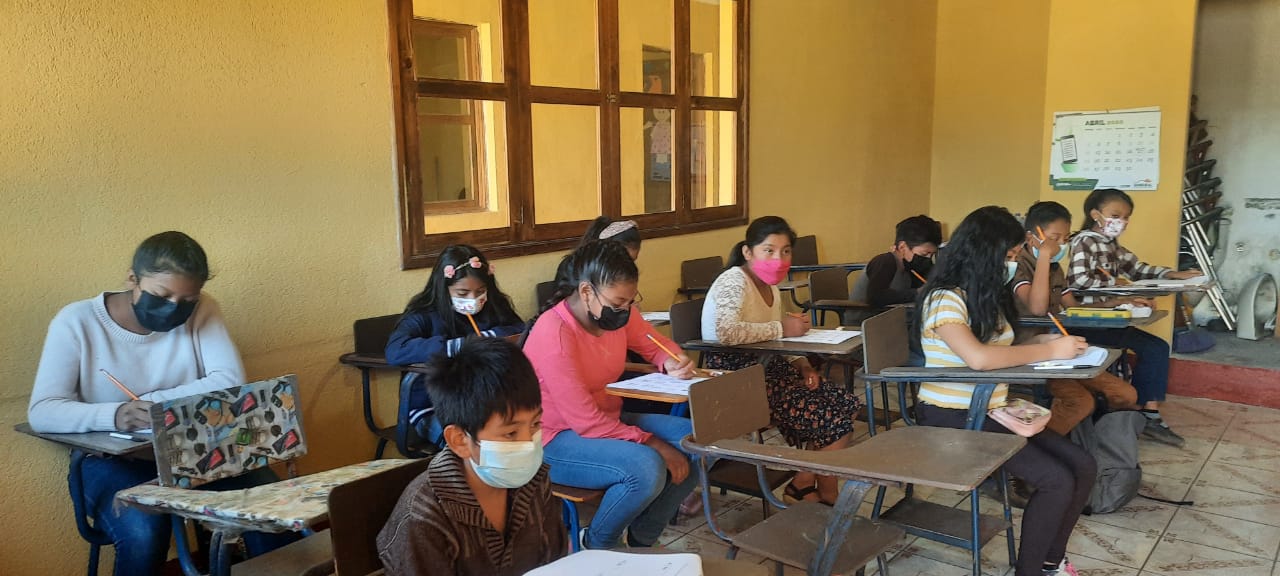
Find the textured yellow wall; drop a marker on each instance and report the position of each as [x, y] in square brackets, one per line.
[988, 105]
[1109, 55]
[264, 129]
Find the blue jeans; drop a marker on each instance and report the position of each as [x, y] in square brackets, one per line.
[141, 540]
[639, 494]
[1151, 376]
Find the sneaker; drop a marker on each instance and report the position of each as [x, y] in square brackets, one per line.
[582, 538]
[1064, 569]
[1157, 430]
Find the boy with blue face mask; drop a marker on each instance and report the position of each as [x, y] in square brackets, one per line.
[484, 506]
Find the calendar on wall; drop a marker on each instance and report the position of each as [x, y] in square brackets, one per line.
[1111, 149]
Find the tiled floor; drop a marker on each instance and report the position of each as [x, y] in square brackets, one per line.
[1230, 468]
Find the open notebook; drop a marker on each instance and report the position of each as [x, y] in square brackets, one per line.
[1093, 356]
[608, 563]
[224, 433]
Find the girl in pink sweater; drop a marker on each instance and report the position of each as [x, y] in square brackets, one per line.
[578, 346]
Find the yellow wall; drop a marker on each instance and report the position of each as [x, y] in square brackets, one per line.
[265, 131]
[1107, 55]
[988, 104]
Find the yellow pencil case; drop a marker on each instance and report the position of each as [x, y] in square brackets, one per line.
[1079, 312]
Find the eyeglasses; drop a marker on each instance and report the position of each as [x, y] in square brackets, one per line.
[635, 301]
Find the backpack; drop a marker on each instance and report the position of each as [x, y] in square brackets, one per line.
[1112, 440]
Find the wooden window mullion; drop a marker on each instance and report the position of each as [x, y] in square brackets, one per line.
[610, 114]
[515, 46]
[682, 75]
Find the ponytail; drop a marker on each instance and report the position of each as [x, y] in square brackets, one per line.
[597, 262]
[736, 258]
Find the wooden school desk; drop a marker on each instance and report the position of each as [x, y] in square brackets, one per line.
[842, 352]
[1081, 322]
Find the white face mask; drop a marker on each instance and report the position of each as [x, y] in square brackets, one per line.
[470, 306]
[508, 464]
[1010, 268]
[1114, 227]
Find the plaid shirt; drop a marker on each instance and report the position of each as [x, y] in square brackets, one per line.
[1091, 251]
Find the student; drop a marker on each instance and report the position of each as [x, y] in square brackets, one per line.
[163, 338]
[484, 506]
[893, 277]
[1095, 249]
[744, 306]
[623, 231]
[1040, 286]
[436, 323]
[578, 346]
[967, 318]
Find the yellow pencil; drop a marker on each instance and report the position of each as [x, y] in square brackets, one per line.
[473, 324]
[1041, 233]
[119, 384]
[919, 277]
[1058, 324]
[673, 355]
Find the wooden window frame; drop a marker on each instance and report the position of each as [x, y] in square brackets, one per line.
[522, 235]
[473, 117]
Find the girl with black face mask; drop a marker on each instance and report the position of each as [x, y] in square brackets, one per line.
[578, 345]
[163, 339]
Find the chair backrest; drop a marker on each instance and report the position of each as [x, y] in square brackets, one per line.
[225, 433]
[829, 284]
[700, 272]
[371, 334]
[729, 406]
[543, 292]
[885, 342]
[686, 320]
[357, 512]
[805, 251]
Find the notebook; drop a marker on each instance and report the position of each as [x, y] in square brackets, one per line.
[609, 563]
[1093, 356]
[224, 433]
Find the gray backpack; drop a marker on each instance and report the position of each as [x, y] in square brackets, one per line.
[1112, 440]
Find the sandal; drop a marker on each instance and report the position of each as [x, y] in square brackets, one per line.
[798, 494]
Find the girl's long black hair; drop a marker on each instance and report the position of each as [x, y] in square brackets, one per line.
[435, 297]
[757, 232]
[973, 263]
[598, 262]
[1097, 199]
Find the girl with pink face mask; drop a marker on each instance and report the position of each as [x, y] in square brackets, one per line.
[744, 306]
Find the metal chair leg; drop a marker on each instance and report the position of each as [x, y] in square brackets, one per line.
[570, 512]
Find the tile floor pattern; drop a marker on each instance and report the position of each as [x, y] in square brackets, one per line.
[1230, 468]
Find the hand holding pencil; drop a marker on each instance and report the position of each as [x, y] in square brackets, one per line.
[676, 365]
[132, 415]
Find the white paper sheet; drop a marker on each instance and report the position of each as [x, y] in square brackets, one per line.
[1093, 356]
[652, 317]
[1158, 282]
[658, 382]
[608, 563]
[814, 336]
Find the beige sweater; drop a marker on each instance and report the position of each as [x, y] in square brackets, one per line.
[735, 312]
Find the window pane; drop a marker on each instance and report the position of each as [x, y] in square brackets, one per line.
[457, 40]
[648, 160]
[566, 162]
[562, 43]
[715, 156]
[646, 35]
[713, 44]
[463, 163]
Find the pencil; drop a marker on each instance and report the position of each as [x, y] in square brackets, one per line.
[119, 384]
[473, 324]
[1058, 324]
[1041, 233]
[919, 277]
[1105, 273]
[673, 355]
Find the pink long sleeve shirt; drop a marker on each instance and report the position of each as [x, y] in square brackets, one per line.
[574, 366]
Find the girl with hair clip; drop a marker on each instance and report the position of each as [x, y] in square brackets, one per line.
[624, 232]
[967, 318]
[1098, 260]
[578, 346]
[744, 306]
[461, 300]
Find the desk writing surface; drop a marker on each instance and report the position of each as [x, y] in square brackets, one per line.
[377, 362]
[792, 285]
[850, 266]
[846, 348]
[947, 458]
[1077, 322]
[1017, 374]
[97, 443]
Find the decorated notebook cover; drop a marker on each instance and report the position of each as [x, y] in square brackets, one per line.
[199, 439]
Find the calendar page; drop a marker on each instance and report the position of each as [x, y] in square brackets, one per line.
[1113, 149]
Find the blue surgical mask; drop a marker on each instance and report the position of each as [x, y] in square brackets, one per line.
[508, 464]
[1010, 268]
[1035, 254]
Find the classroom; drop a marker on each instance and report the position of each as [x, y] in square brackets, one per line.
[282, 136]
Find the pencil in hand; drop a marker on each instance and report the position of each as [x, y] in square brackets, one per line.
[1058, 323]
[473, 325]
[119, 384]
[919, 277]
[1041, 233]
[673, 355]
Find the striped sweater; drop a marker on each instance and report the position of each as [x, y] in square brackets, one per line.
[941, 308]
[438, 528]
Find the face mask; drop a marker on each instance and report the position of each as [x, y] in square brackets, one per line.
[508, 464]
[610, 319]
[470, 306]
[771, 271]
[159, 314]
[1035, 253]
[1010, 268]
[1114, 227]
[919, 264]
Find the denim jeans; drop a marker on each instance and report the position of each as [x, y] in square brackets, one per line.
[141, 540]
[639, 494]
[1151, 375]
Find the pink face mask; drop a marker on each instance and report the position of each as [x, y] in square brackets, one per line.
[771, 271]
